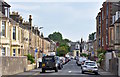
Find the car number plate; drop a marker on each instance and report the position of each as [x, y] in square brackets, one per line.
[43, 65]
[90, 70]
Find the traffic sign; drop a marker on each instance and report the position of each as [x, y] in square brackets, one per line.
[36, 50]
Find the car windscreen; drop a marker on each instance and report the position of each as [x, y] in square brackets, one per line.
[90, 63]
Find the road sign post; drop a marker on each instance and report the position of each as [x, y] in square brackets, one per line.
[36, 56]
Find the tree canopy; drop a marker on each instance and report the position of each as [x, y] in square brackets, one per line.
[91, 36]
[63, 47]
[56, 36]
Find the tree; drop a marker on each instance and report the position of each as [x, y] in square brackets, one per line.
[67, 40]
[56, 36]
[62, 44]
[91, 36]
[62, 50]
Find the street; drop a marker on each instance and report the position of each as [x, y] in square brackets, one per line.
[69, 69]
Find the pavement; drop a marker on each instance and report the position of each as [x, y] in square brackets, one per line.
[70, 69]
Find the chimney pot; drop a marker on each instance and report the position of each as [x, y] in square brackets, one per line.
[17, 13]
[30, 20]
[30, 16]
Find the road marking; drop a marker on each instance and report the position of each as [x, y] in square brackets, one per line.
[69, 71]
[36, 73]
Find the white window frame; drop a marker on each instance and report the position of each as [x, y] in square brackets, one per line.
[2, 28]
[15, 32]
[3, 49]
[14, 53]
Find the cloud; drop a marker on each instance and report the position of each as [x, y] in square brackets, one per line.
[74, 20]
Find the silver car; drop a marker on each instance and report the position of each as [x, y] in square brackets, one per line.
[90, 66]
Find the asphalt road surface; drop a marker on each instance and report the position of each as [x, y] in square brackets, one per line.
[69, 70]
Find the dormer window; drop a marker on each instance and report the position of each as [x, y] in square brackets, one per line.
[5, 8]
[77, 46]
[7, 11]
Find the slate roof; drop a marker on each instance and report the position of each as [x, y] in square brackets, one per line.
[3, 3]
[12, 21]
[2, 15]
[72, 47]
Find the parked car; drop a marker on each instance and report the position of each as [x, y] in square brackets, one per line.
[62, 60]
[81, 61]
[72, 57]
[49, 63]
[66, 59]
[76, 57]
[90, 66]
[59, 62]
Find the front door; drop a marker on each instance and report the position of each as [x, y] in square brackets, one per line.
[77, 53]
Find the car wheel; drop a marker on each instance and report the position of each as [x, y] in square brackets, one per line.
[43, 70]
[56, 69]
[60, 67]
[96, 73]
[82, 72]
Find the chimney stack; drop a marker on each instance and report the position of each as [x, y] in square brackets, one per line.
[15, 16]
[30, 20]
[21, 20]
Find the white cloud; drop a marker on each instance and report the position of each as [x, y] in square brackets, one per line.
[69, 19]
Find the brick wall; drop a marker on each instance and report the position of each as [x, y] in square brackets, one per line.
[13, 65]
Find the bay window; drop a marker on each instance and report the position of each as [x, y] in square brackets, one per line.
[3, 51]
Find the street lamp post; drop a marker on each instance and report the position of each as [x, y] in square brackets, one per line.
[40, 35]
[40, 48]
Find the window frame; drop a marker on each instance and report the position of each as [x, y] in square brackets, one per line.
[14, 32]
[14, 52]
[3, 48]
[4, 29]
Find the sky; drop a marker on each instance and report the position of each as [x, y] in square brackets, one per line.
[75, 19]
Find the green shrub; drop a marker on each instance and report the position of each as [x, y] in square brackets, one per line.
[100, 55]
[84, 55]
[31, 58]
